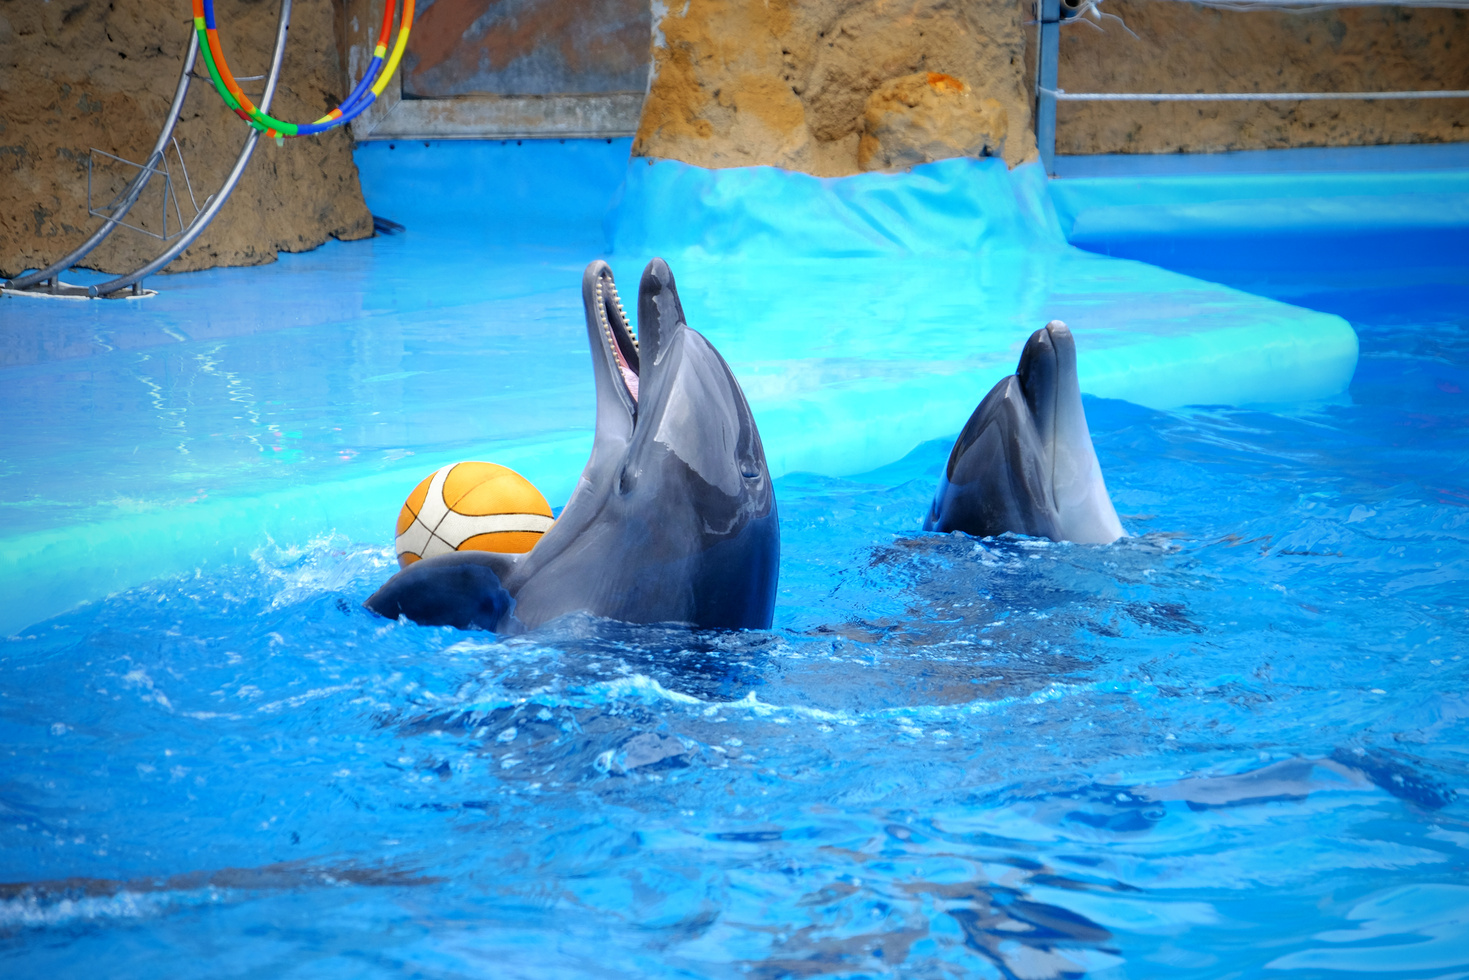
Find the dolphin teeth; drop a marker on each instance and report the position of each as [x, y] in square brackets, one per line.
[606, 289]
[603, 284]
[631, 330]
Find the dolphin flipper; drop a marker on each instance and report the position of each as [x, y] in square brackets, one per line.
[462, 589]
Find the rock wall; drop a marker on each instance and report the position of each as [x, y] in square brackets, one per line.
[807, 84]
[829, 87]
[928, 116]
[1185, 47]
[101, 73]
[788, 82]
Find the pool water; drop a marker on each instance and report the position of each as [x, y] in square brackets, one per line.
[1233, 744]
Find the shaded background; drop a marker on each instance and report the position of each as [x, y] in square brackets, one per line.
[528, 47]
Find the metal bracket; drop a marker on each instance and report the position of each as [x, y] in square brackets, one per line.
[123, 201]
[1049, 44]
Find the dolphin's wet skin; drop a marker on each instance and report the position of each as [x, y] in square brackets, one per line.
[1024, 462]
[1228, 744]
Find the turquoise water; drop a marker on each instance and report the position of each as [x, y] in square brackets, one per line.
[1230, 745]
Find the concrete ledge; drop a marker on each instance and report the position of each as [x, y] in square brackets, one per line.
[508, 117]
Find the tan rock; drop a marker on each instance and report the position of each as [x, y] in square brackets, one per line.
[786, 82]
[100, 73]
[928, 116]
[719, 96]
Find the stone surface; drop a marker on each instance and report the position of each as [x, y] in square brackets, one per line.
[787, 82]
[928, 116]
[1183, 47]
[101, 74]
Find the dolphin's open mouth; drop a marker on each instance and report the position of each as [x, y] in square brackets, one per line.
[617, 332]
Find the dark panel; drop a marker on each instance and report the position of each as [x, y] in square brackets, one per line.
[528, 47]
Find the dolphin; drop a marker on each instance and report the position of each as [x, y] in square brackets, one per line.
[1025, 461]
[674, 518]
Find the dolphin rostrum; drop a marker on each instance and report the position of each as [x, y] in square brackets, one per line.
[674, 517]
[1025, 461]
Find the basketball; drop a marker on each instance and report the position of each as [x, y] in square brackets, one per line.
[471, 507]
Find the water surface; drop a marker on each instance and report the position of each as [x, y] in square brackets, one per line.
[1231, 745]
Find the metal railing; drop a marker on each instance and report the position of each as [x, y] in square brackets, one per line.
[1054, 13]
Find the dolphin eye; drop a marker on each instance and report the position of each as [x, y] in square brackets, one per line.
[748, 469]
[625, 480]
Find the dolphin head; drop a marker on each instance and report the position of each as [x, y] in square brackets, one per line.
[1025, 461]
[674, 518]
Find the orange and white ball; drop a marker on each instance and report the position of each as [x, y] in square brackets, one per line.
[471, 507]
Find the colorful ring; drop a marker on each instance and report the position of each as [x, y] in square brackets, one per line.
[374, 80]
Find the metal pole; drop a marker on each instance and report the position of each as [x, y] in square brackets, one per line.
[1049, 42]
[1064, 96]
[202, 219]
[130, 194]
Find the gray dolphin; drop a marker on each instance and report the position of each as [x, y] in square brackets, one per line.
[674, 517]
[1025, 461]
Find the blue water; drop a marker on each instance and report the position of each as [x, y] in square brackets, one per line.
[1233, 744]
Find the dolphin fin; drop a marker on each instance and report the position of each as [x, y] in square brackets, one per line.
[462, 589]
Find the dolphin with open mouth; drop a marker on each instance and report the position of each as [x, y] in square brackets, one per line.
[1025, 461]
[673, 520]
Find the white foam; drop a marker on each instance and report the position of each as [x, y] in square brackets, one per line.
[30, 912]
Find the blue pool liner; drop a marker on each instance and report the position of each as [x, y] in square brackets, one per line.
[977, 251]
[509, 192]
[951, 207]
[1298, 212]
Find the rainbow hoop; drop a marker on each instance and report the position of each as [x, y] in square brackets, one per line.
[374, 80]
